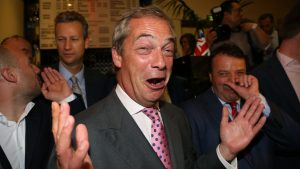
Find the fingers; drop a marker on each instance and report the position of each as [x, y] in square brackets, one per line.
[259, 124]
[225, 114]
[51, 74]
[252, 110]
[257, 114]
[81, 152]
[246, 106]
[65, 137]
[55, 114]
[63, 117]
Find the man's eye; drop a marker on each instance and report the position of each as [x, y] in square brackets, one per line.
[168, 52]
[223, 74]
[144, 50]
[241, 73]
[60, 40]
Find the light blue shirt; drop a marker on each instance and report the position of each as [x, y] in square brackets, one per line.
[266, 111]
[80, 77]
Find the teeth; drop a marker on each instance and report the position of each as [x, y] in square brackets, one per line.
[155, 81]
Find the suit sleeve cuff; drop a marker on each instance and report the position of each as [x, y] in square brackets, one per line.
[227, 165]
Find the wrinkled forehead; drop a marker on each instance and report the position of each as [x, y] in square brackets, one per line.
[150, 21]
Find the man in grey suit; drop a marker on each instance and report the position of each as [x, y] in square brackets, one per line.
[117, 132]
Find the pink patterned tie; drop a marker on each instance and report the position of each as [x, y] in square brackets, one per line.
[158, 137]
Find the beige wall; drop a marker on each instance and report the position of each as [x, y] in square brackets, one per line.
[11, 18]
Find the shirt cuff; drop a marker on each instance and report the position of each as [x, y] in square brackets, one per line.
[70, 98]
[267, 109]
[227, 165]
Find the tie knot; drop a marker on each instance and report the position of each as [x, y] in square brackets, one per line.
[233, 105]
[151, 112]
[74, 79]
[75, 86]
[234, 111]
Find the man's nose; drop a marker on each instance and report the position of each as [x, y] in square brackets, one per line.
[159, 59]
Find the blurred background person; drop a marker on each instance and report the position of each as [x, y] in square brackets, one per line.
[232, 27]
[188, 44]
[267, 24]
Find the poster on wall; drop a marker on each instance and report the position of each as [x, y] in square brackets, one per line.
[100, 14]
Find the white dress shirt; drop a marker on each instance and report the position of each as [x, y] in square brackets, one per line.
[144, 122]
[12, 138]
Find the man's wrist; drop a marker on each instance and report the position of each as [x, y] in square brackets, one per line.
[226, 154]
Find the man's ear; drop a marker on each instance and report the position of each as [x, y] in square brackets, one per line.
[87, 42]
[9, 75]
[117, 59]
[210, 77]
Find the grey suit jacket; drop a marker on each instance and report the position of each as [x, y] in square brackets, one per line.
[117, 142]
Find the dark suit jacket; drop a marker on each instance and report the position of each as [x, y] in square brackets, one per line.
[117, 142]
[275, 85]
[205, 113]
[39, 139]
[97, 85]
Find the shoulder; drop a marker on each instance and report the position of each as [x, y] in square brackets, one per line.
[101, 112]
[266, 67]
[97, 76]
[197, 102]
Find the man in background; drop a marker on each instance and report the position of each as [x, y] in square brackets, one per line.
[266, 23]
[231, 86]
[71, 36]
[279, 80]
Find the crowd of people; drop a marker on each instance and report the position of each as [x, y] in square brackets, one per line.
[69, 117]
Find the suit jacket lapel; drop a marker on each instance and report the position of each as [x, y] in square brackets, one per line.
[4, 163]
[284, 86]
[124, 134]
[89, 87]
[32, 131]
[213, 105]
[174, 138]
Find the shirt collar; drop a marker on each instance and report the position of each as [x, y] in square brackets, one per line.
[131, 106]
[223, 102]
[286, 60]
[67, 74]
[6, 122]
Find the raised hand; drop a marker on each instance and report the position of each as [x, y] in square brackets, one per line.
[245, 86]
[237, 134]
[62, 126]
[55, 87]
